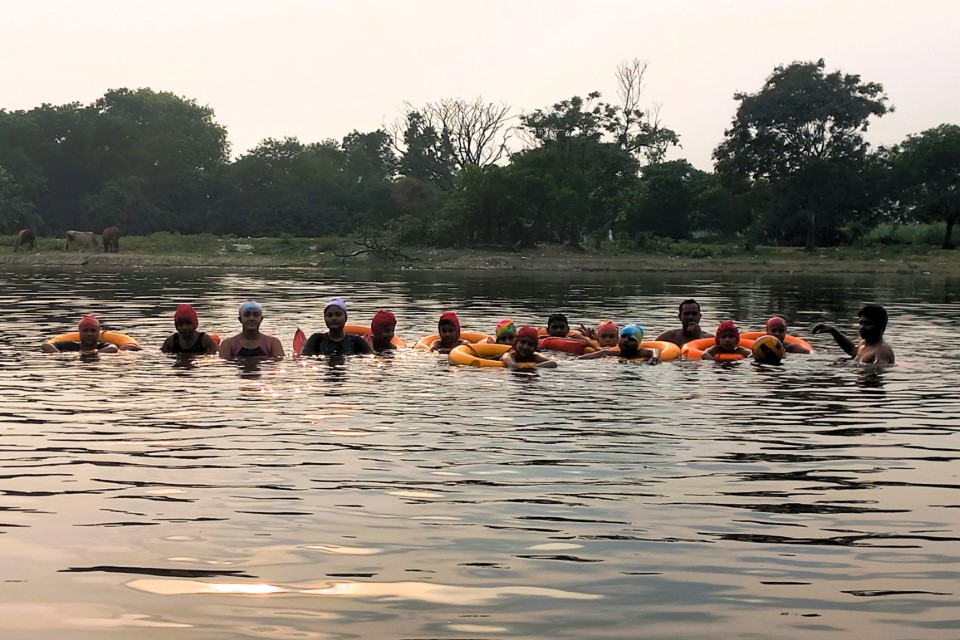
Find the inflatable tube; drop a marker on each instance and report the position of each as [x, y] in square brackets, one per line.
[694, 349]
[668, 350]
[122, 340]
[482, 354]
[753, 335]
[367, 334]
[568, 345]
[473, 337]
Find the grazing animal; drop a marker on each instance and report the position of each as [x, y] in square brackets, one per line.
[111, 240]
[26, 238]
[82, 240]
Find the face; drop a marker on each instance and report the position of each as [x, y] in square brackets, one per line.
[89, 336]
[608, 338]
[689, 315]
[334, 317]
[728, 340]
[506, 338]
[251, 319]
[385, 334]
[526, 346]
[779, 332]
[448, 332]
[869, 330]
[558, 329]
[185, 328]
[629, 345]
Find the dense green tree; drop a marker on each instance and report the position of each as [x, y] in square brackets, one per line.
[16, 212]
[800, 131]
[927, 168]
[427, 153]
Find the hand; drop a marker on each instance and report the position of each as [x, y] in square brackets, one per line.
[820, 328]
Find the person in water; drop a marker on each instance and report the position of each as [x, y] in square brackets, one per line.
[777, 327]
[336, 341]
[628, 347]
[525, 351]
[872, 349]
[89, 342]
[449, 329]
[690, 325]
[505, 331]
[728, 338]
[187, 339]
[382, 329]
[608, 334]
[250, 342]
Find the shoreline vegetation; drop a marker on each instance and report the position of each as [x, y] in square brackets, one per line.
[205, 250]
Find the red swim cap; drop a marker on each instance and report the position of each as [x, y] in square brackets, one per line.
[776, 321]
[608, 325]
[728, 326]
[382, 320]
[185, 312]
[89, 321]
[452, 318]
[526, 331]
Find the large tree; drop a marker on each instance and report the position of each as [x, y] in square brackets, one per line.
[801, 130]
[927, 166]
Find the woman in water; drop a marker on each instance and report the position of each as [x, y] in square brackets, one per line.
[250, 343]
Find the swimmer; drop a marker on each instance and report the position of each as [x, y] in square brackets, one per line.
[608, 334]
[382, 329]
[628, 347]
[449, 329]
[335, 341]
[505, 331]
[872, 349]
[89, 342]
[777, 327]
[187, 339]
[525, 350]
[559, 327]
[250, 343]
[727, 337]
[689, 317]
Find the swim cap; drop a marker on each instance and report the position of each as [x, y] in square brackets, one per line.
[608, 326]
[336, 302]
[776, 321]
[452, 318]
[632, 331]
[251, 305]
[185, 312]
[526, 331]
[505, 327]
[89, 321]
[382, 320]
[727, 326]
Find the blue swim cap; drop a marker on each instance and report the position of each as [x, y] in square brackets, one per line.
[632, 331]
[251, 305]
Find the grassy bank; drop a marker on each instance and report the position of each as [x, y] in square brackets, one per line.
[164, 249]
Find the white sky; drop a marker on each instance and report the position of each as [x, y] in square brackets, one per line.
[320, 69]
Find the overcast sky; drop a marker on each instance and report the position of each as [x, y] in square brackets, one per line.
[320, 69]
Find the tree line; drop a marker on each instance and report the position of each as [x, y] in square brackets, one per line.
[793, 169]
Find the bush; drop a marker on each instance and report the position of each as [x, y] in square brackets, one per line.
[888, 234]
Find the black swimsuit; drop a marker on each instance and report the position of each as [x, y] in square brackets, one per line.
[198, 347]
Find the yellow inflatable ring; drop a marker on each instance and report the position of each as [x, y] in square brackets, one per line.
[472, 337]
[482, 354]
[122, 340]
[753, 335]
[694, 349]
[668, 350]
[367, 332]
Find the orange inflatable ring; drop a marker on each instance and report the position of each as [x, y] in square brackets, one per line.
[367, 333]
[694, 349]
[122, 340]
[473, 337]
[668, 350]
[753, 335]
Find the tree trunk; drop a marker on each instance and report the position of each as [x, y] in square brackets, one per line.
[948, 236]
[811, 230]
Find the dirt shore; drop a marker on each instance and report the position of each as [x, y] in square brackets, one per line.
[545, 258]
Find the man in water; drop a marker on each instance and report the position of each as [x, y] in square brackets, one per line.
[872, 349]
[89, 340]
[690, 330]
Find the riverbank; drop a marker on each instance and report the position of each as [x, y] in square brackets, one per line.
[324, 254]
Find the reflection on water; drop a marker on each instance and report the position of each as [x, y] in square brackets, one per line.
[396, 496]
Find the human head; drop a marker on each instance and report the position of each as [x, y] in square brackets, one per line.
[873, 322]
[89, 330]
[505, 331]
[728, 335]
[448, 327]
[89, 322]
[777, 327]
[689, 313]
[251, 306]
[526, 341]
[185, 315]
[631, 336]
[608, 334]
[384, 323]
[251, 315]
[558, 326]
[335, 313]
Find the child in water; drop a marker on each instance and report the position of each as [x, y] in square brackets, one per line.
[382, 329]
[505, 331]
[777, 327]
[628, 347]
[559, 327]
[187, 339]
[449, 329]
[727, 337]
[608, 334]
[525, 350]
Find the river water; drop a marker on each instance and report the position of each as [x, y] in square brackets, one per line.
[400, 497]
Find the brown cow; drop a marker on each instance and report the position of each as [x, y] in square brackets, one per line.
[111, 240]
[82, 240]
[26, 237]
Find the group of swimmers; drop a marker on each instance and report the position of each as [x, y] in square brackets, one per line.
[526, 343]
